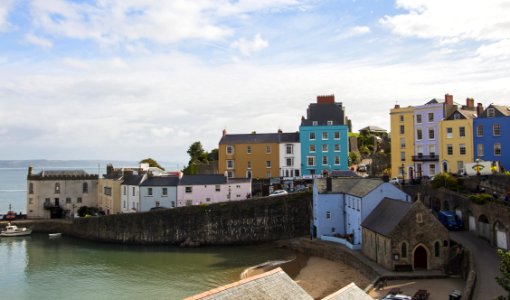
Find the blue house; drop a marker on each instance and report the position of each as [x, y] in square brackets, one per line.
[491, 134]
[340, 205]
[324, 138]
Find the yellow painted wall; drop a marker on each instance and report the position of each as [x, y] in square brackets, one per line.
[258, 158]
[408, 122]
[455, 141]
[111, 202]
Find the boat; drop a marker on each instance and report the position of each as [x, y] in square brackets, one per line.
[13, 230]
[55, 235]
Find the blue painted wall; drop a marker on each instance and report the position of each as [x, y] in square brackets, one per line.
[488, 140]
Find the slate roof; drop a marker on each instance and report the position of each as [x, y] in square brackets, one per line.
[504, 110]
[274, 284]
[202, 179]
[132, 179]
[324, 112]
[386, 216]
[349, 292]
[373, 128]
[161, 181]
[343, 173]
[59, 173]
[260, 138]
[358, 187]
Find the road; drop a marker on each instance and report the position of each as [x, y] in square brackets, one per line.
[486, 265]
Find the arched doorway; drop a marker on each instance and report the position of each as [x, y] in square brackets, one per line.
[471, 221]
[483, 227]
[500, 235]
[420, 258]
[445, 167]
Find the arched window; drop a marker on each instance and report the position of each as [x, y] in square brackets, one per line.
[57, 188]
[403, 250]
[437, 249]
[85, 187]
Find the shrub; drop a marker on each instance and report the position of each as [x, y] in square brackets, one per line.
[481, 198]
[445, 180]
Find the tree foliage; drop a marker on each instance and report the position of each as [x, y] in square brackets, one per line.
[504, 268]
[198, 156]
[445, 180]
[152, 163]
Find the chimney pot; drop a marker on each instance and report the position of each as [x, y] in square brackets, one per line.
[397, 106]
[448, 99]
[479, 109]
[224, 132]
[327, 99]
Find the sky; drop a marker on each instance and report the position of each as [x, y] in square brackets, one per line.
[129, 79]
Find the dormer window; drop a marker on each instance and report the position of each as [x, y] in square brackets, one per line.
[314, 123]
[491, 112]
[456, 116]
[330, 123]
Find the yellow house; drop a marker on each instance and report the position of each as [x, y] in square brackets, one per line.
[108, 190]
[249, 155]
[402, 141]
[456, 138]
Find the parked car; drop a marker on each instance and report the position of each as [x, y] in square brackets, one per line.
[396, 180]
[278, 193]
[362, 168]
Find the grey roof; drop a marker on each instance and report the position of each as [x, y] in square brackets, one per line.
[202, 179]
[260, 138]
[343, 173]
[324, 112]
[161, 181]
[133, 179]
[55, 173]
[358, 187]
[274, 284]
[349, 292]
[464, 113]
[373, 128]
[433, 101]
[501, 111]
[386, 216]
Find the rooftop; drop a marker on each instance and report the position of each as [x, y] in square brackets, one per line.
[358, 187]
[386, 216]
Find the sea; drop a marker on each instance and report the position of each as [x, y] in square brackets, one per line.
[37, 267]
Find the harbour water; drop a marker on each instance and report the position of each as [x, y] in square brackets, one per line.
[37, 267]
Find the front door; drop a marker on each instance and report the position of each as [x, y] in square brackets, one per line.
[420, 258]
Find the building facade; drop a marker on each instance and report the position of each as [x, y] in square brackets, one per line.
[130, 196]
[59, 193]
[158, 191]
[290, 156]
[402, 140]
[208, 189]
[492, 135]
[324, 139]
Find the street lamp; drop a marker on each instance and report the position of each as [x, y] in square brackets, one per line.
[477, 166]
[403, 172]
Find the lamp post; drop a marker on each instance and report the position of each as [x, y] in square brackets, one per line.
[403, 172]
[477, 166]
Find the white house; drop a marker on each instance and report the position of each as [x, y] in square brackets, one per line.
[290, 156]
[130, 196]
[340, 205]
[158, 191]
[199, 189]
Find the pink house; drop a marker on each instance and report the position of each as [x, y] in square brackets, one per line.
[200, 189]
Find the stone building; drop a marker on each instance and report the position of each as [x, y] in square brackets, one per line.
[59, 193]
[108, 191]
[403, 236]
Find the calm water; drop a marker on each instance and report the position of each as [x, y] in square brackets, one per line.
[36, 267]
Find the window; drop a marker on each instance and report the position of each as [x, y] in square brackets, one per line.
[462, 149]
[449, 148]
[57, 188]
[419, 150]
[419, 218]
[419, 134]
[149, 191]
[289, 148]
[248, 164]
[217, 188]
[31, 188]
[124, 204]
[208, 199]
[431, 133]
[296, 173]
[403, 250]
[337, 160]
[268, 174]
[312, 148]
[79, 200]
[324, 160]
[107, 191]
[328, 215]
[418, 119]
[85, 187]
[449, 132]
[330, 123]
[431, 117]
[289, 161]
[248, 175]
[68, 200]
[479, 130]
[437, 248]
[189, 202]
[402, 129]
[268, 149]
[189, 189]
[134, 191]
[496, 130]
[230, 164]
[324, 135]
[310, 161]
[491, 112]
[337, 147]
[311, 136]
[124, 190]
[230, 174]
[336, 135]
[157, 203]
[456, 116]
[30, 201]
[402, 143]
[248, 149]
[479, 149]
[47, 201]
[268, 164]
[314, 123]
[230, 149]
[173, 204]
[432, 169]
[462, 131]
[402, 156]
[164, 191]
[432, 150]
[401, 118]
[497, 149]
[324, 148]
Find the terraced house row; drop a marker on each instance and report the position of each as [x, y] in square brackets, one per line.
[318, 148]
[445, 136]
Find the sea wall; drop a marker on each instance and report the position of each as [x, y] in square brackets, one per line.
[241, 222]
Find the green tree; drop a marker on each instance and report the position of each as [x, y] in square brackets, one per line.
[213, 155]
[445, 180]
[152, 163]
[197, 153]
[504, 268]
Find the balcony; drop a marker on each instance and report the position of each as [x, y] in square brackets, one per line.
[428, 157]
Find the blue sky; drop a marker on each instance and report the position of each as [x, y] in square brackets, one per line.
[127, 79]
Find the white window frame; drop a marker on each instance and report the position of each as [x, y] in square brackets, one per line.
[308, 161]
[229, 150]
[230, 164]
[325, 136]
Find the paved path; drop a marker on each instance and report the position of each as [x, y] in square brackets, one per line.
[486, 264]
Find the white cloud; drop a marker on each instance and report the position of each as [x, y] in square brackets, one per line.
[41, 42]
[452, 21]
[5, 7]
[354, 31]
[247, 47]
[499, 49]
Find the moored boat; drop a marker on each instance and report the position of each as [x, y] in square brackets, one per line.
[13, 230]
[55, 235]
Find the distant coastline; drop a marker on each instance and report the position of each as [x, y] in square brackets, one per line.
[46, 163]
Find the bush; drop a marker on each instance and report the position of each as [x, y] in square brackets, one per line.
[445, 180]
[481, 198]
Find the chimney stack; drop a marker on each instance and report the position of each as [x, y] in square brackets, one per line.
[470, 103]
[328, 99]
[448, 99]
[479, 109]
[397, 106]
[224, 132]
[280, 131]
